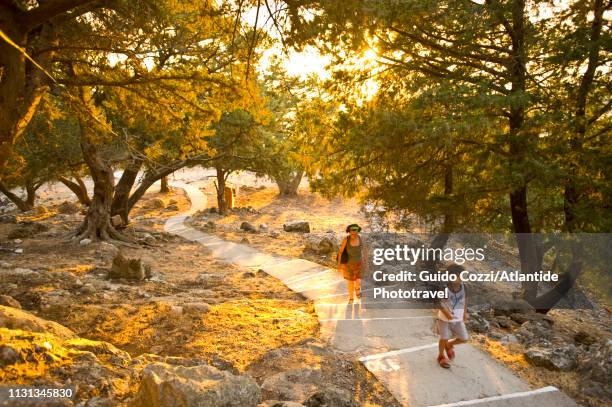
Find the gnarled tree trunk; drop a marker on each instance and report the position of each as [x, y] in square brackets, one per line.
[23, 205]
[21, 90]
[97, 224]
[12, 83]
[120, 205]
[220, 186]
[78, 188]
[31, 193]
[150, 178]
[164, 188]
[288, 186]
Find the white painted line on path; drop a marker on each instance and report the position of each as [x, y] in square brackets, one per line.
[547, 389]
[397, 352]
[210, 244]
[371, 319]
[310, 275]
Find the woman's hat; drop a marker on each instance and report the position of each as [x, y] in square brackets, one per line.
[353, 225]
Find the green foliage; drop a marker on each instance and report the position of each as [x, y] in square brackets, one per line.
[235, 135]
[261, 137]
[49, 149]
[159, 74]
[490, 92]
[279, 151]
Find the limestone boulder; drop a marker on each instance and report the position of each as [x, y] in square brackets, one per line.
[560, 358]
[248, 227]
[13, 318]
[331, 396]
[595, 368]
[295, 385]
[299, 226]
[106, 251]
[165, 385]
[129, 269]
[534, 332]
[322, 243]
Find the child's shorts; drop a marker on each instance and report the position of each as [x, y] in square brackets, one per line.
[457, 329]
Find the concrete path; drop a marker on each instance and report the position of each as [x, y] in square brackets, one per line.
[396, 345]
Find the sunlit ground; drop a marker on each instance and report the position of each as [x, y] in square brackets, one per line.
[242, 331]
[322, 214]
[38, 352]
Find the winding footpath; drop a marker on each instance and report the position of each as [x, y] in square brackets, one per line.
[396, 345]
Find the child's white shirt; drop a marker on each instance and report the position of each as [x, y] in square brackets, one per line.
[455, 303]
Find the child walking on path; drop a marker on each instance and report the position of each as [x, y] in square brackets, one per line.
[451, 318]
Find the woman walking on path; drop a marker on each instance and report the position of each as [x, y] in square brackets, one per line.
[352, 260]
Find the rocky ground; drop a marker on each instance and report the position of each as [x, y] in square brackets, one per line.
[570, 349]
[132, 326]
[260, 215]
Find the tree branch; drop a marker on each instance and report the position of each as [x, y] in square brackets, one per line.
[448, 50]
[46, 11]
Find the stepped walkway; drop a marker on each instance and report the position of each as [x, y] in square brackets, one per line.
[396, 345]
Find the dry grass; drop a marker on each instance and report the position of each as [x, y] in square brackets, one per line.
[242, 331]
